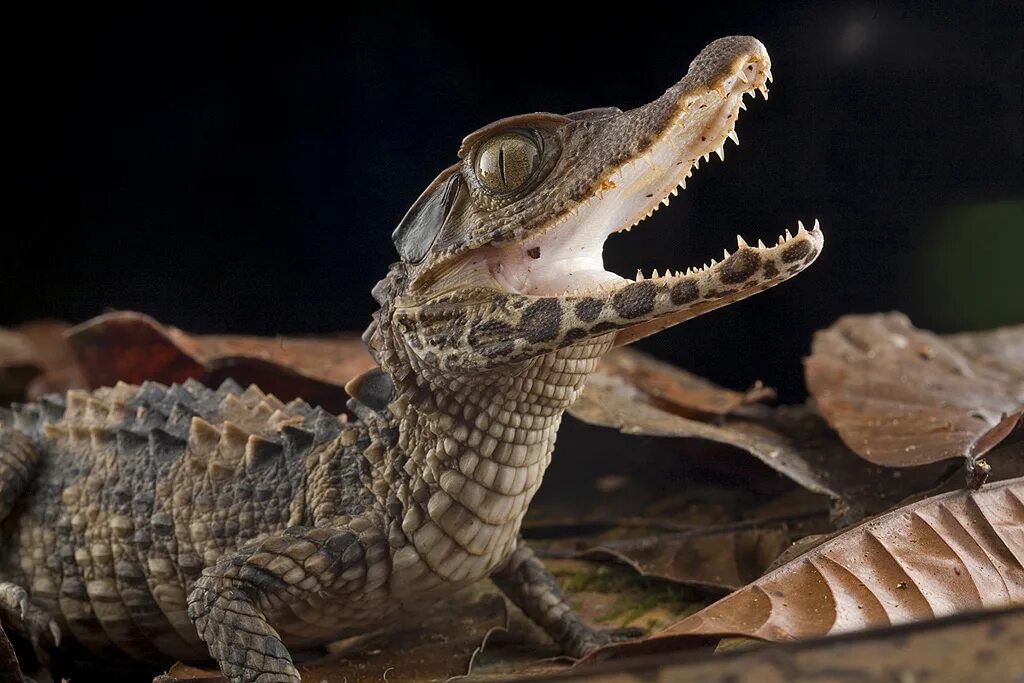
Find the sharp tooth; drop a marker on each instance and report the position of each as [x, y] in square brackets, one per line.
[675, 191]
[639, 275]
[725, 254]
[713, 263]
[683, 183]
[815, 225]
[664, 202]
[743, 105]
[732, 136]
[768, 75]
[789, 236]
[780, 240]
[741, 74]
[707, 156]
[740, 242]
[654, 274]
[696, 163]
[763, 89]
[721, 152]
[800, 227]
[761, 245]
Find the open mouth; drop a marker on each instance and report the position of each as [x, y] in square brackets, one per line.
[567, 259]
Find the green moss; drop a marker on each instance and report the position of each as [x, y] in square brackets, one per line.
[635, 595]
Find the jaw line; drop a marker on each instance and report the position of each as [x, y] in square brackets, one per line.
[567, 257]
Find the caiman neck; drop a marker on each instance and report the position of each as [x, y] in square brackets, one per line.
[472, 451]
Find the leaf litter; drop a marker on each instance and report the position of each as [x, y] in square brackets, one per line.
[644, 540]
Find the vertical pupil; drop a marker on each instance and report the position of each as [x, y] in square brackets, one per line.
[501, 165]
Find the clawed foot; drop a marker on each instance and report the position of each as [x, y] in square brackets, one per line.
[27, 620]
[587, 642]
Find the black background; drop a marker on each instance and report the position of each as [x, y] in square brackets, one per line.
[243, 172]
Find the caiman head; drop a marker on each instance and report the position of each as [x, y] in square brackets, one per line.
[501, 256]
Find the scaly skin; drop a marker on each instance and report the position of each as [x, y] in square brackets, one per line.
[154, 523]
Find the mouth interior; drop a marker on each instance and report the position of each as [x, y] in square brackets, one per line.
[568, 257]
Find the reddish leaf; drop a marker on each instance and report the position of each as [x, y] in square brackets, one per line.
[132, 347]
[900, 396]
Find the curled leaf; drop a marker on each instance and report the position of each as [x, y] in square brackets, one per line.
[793, 440]
[899, 396]
[949, 554]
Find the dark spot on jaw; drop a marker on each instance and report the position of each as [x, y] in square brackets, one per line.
[795, 252]
[541, 321]
[534, 252]
[489, 332]
[810, 255]
[683, 292]
[712, 294]
[492, 339]
[588, 309]
[739, 267]
[635, 300]
[770, 270]
[574, 335]
[603, 327]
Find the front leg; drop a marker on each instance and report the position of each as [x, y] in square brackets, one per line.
[235, 600]
[528, 583]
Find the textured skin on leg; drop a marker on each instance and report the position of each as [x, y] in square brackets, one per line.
[284, 579]
[17, 467]
[528, 584]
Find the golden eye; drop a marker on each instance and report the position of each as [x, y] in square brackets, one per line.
[506, 162]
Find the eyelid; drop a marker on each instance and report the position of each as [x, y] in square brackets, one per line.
[419, 228]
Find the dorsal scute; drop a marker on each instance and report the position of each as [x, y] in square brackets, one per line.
[260, 452]
[229, 386]
[96, 412]
[51, 408]
[75, 401]
[131, 443]
[326, 426]
[181, 414]
[203, 439]
[165, 446]
[297, 439]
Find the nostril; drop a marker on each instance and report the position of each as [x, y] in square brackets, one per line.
[534, 252]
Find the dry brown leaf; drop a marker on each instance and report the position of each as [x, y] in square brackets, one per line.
[132, 347]
[792, 440]
[675, 389]
[983, 646]
[900, 396]
[715, 558]
[36, 359]
[945, 555]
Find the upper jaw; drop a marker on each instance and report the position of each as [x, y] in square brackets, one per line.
[692, 120]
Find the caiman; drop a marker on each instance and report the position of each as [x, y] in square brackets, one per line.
[155, 523]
